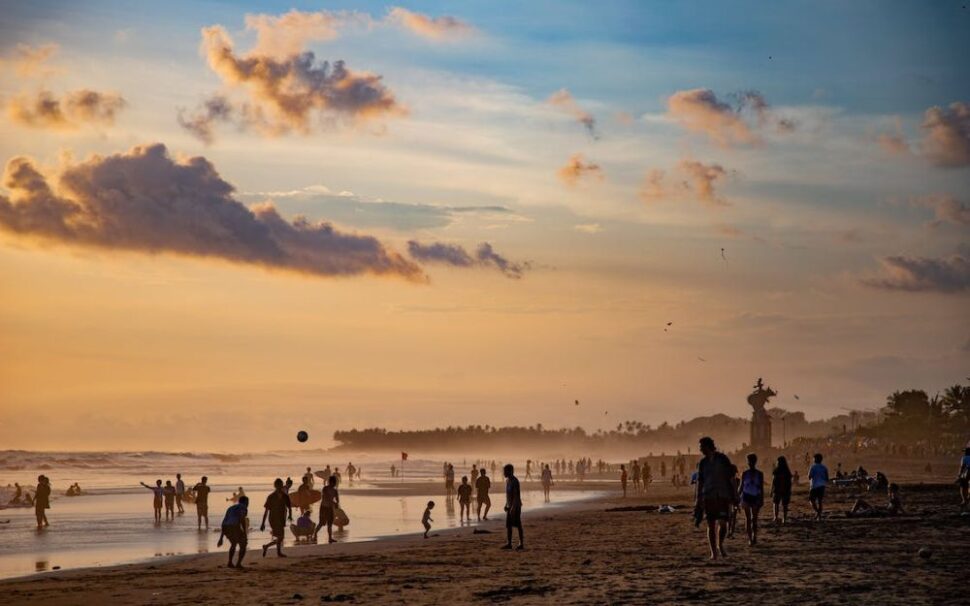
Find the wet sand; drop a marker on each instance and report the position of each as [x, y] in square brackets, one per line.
[583, 554]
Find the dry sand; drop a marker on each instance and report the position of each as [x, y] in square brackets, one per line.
[580, 555]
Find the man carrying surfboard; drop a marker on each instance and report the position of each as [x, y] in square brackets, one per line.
[328, 505]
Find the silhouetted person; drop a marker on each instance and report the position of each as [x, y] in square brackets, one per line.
[276, 508]
[528, 469]
[635, 472]
[42, 501]
[450, 480]
[623, 478]
[159, 493]
[893, 508]
[235, 525]
[546, 482]
[645, 473]
[752, 497]
[426, 518]
[330, 500]
[513, 507]
[963, 479]
[169, 493]
[715, 494]
[179, 492]
[17, 494]
[202, 491]
[818, 477]
[308, 478]
[465, 500]
[482, 486]
[781, 483]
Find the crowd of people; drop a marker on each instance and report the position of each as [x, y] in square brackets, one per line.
[722, 492]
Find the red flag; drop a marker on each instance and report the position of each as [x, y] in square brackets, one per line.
[404, 456]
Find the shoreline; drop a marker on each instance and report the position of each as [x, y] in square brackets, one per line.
[304, 549]
[581, 553]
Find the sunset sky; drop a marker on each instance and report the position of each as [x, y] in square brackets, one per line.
[213, 233]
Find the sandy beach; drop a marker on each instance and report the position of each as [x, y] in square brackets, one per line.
[608, 550]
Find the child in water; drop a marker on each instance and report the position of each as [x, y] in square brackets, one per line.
[426, 518]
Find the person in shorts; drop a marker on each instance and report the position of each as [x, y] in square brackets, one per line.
[482, 486]
[276, 509]
[715, 494]
[465, 500]
[781, 483]
[513, 507]
[330, 500]
[752, 497]
[202, 491]
[818, 477]
[235, 525]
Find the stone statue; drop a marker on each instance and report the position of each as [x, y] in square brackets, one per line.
[760, 421]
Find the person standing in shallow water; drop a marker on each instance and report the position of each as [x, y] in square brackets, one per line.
[235, 525]
[623, 478]
[465, 500]
[715, 494]
[179, 492]
[963, 479]
[546, 482]
[482, 486]
[169, 493]
[157, 502]
[42, 501]
[513, 507]
[201, 491]
[329, 501]
[276, 508]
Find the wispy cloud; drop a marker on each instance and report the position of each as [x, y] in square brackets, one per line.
[563, 100]
[946, 209]
[578, 168]
[690, 178]
[144, 201]
[456, 256]
[433, 28]
[31, 61]
[922, 274]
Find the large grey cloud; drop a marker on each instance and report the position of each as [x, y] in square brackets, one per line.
[946, 140]
[923, 274]
[456, 256]
[143, 200]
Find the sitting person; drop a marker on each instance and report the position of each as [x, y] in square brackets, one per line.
[895, 507]
[881, 482]
[304, 525]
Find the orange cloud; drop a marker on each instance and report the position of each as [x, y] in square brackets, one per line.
[946, 140]
[693, 178]
[434, 28]
[564, 101]
[293, 93]
[577, 168]
[144, 201]
[288, 34]
[75, 109]
[699, 110]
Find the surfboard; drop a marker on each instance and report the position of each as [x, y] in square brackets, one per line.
[322, 475]
[340, 518]
[297, 498]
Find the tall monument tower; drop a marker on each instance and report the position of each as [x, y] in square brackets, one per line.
[760, 421]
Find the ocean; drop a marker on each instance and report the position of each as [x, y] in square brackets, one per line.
[112, 522]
